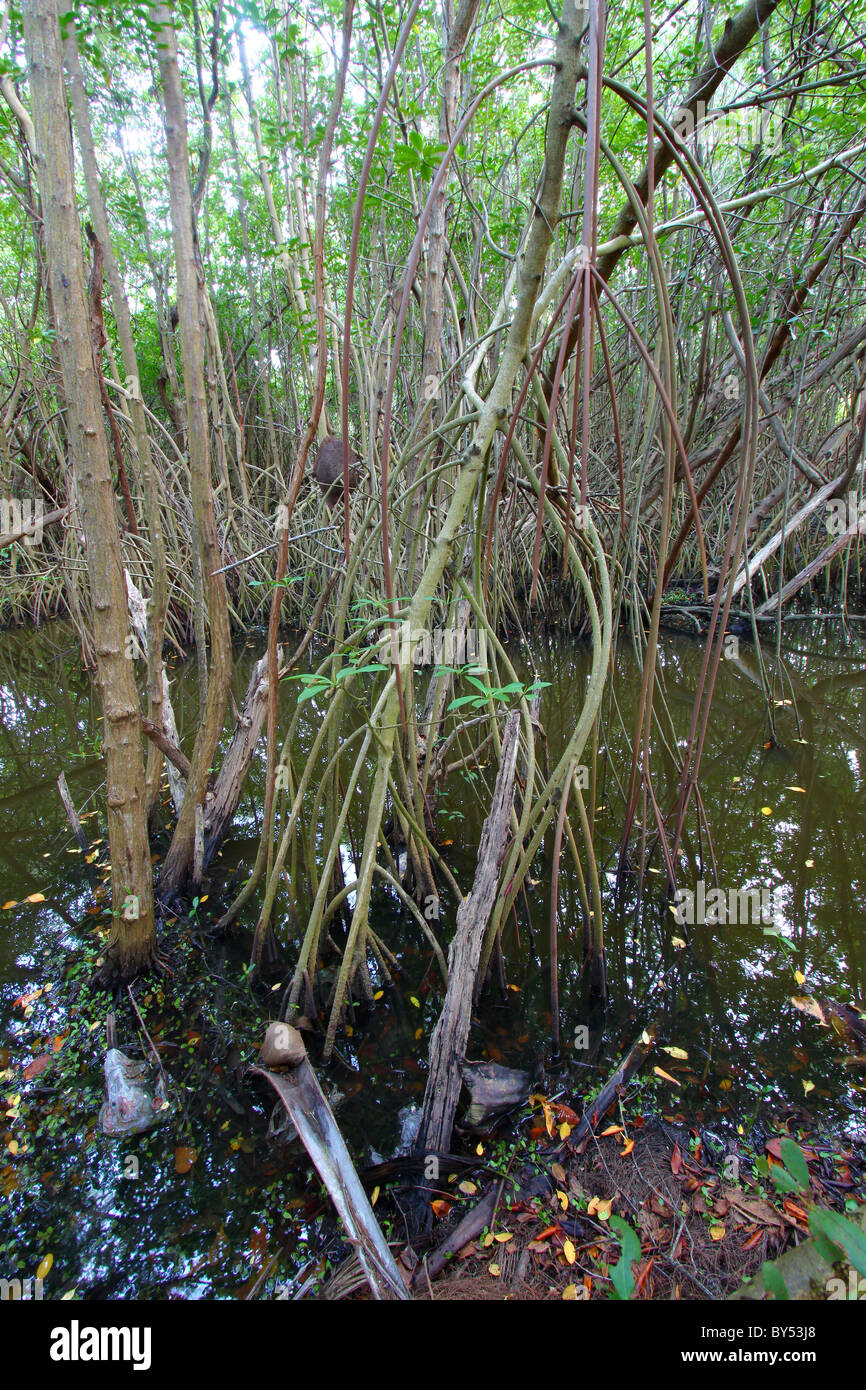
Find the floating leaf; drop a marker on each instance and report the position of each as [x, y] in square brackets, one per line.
[666, 1076]
[37, 1066]
[184, 1158]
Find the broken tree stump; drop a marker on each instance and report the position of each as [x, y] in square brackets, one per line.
[298, 1088]
[448, 1045]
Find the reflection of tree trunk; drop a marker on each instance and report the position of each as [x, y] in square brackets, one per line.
[179, 860]
[132, 943]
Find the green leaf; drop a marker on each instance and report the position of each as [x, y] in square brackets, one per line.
[783, 1180]
[621, 1273]
[480, 684]
[773, 1281]
[846, 1236]
[795, 1162]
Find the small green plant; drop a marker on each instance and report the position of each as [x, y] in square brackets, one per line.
[505, 693]
[621, 1274]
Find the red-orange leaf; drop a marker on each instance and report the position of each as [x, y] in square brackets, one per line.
[37, 1065]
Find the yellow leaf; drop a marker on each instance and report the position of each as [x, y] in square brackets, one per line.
[35, 898]
[12, 1146]
[184, 1158]
[626, 1148]
[43, 1269]
[612, 1129]
[546, 1107]
[6, 906]
[488, 1240]
[678, 943]
[604, 1209]
[799, 977]
[666, 1076]
[503, 1236]
[808, 1086]
[766, 810]
[468, 1188]
[378, 994]
[479, 1149]
[801, 790]
[70, 1293]
[569, 1294]
[374, 1196]
[569, 1252]
[678, 1053]
[717, 1233]
[564, 1130]
[807, 1005]
[413, 1000]
[810, 863]
[726, 1084]
[494, 1270]
[419, 1032]
[563, 1199]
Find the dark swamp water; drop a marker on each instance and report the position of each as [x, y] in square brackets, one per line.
[208, 1205]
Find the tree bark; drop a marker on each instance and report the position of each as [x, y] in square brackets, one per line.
[156, 610]
[448, 1045]
[177, 873]
[132, 942]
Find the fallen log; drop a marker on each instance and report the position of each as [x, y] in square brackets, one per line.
[796, 584]
[472, 1225]
[296, 1085]
[609, 1093]
[32, 528]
